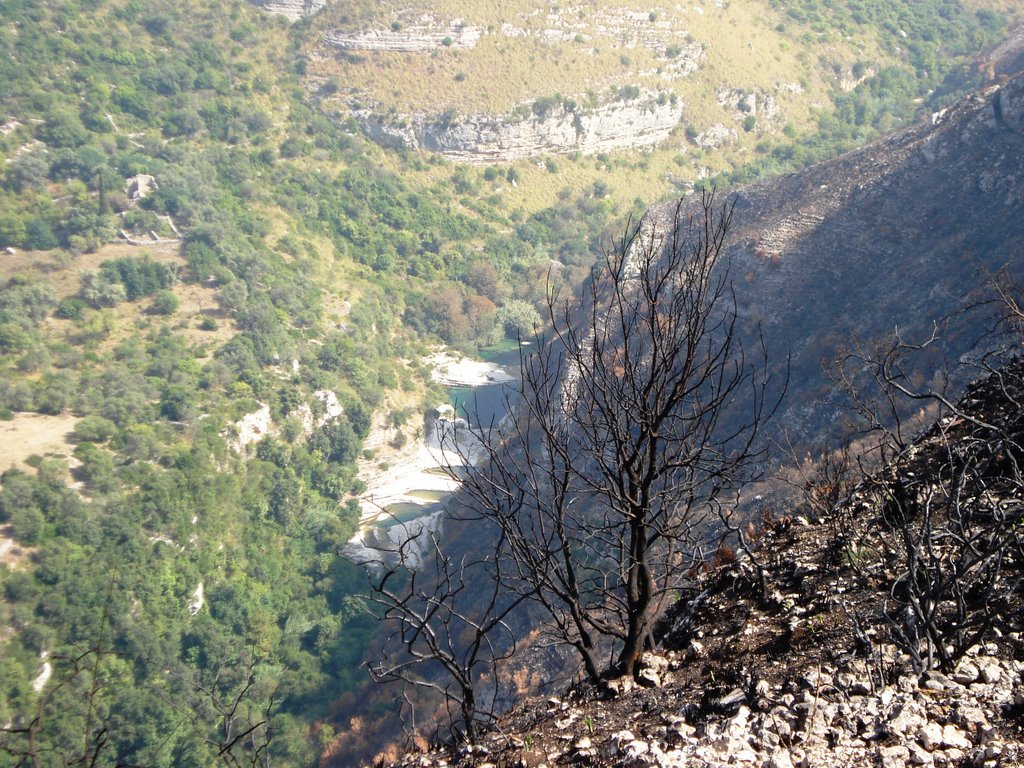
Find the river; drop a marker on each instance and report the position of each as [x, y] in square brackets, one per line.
[412, 494]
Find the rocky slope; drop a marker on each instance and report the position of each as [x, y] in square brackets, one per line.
[805, 671]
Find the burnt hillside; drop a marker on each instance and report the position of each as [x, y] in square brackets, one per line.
[897, 234]
[828, 664]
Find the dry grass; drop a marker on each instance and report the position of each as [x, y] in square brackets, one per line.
[13, 555]
[744, 48]
[66, 278]
[127, 318]
[34, 433]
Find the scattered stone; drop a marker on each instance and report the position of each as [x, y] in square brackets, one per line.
[906, 719]
[652, 670]
[966, 672]
[894, 757]
[953, 755]
[953, 737]
[936, 681]
[994, 751]
[565, 722]
[972, 718]
[930, 736]
[991, 672]
[731, 700]
[780, 759]
[919, 756]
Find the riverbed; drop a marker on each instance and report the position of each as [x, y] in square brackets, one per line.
[418, 481]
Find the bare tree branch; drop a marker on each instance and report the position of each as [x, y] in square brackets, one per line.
[632, 421]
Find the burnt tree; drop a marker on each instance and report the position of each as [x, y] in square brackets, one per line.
[634, 419]
[448, 632]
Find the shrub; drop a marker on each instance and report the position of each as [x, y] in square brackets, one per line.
[628, 93]
[93, 429]
[164, 303]
[545, 105]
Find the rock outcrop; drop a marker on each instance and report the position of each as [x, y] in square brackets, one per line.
[425, 36]
[644, 122]
[293, 10]
[259, 424]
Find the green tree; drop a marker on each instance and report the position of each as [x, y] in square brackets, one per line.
[164, 303]
[519, 318]
[100, 290]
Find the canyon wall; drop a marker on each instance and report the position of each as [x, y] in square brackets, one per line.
[483, 140]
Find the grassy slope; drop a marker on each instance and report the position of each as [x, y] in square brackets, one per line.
[748, 45]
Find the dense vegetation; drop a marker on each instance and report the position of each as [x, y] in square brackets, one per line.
[167, 574]
[175, 573]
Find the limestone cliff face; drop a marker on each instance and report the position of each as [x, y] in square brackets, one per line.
[418, 38]
[293, 10]
[641, 122]
[483, 140]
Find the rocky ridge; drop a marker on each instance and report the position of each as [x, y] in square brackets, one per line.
[783, 658]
